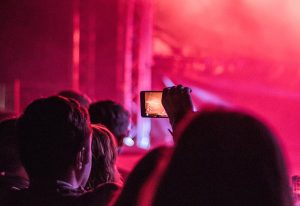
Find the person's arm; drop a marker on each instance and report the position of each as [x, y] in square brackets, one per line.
[177, 102]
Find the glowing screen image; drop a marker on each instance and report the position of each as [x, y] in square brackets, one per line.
[153, 104]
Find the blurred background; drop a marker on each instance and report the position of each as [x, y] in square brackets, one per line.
[237, 53]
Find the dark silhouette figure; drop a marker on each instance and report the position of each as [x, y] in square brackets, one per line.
[55, 149]
[12, 174]
[113, 116]
[81, 98]
[224, 158]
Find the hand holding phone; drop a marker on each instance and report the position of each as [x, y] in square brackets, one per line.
[178, 102]
[173, 101]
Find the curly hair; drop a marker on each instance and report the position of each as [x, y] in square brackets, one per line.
[104, 155]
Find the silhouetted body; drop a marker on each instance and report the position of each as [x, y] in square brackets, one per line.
[12, 173]
[55, 149]
[224, 158]
[113, 116]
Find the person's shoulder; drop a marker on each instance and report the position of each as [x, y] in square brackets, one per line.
[101, 195]
[107, 186]
[30, 197]
[14, 197]
[107, 190]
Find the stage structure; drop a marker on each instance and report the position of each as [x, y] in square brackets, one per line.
[115, 54]
[102, 48]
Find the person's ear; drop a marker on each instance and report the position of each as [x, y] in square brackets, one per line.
[85, 155]
[82, 158]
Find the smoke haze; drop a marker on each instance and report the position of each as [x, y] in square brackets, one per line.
[260, 29]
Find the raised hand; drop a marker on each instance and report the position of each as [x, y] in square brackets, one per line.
[177, 102]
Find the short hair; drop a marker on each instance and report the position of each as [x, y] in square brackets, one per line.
[81, 98]
[225, 157]
[51, 132]
[104, 156]
[113, 116]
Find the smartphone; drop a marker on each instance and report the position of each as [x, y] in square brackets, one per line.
[151, 105]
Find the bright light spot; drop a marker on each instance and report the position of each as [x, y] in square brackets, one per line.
[219, 70]
[2, 97]
[128, 141]
[161, 48]
[199, 67]
[145, 143]
[168, 82]
[143, 133]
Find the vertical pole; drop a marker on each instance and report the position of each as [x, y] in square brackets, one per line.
[76, 45]
[124, 52]
[2, 96]
[134, 52]
[91, 51]
[144, 24]
[17, 96]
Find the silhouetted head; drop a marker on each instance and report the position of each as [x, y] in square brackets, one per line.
[81, 98]
[55, 139]
[9, 153]
[224, 157]
[104, 156]
[113, 116]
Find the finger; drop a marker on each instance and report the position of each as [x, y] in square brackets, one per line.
[179, 86]
[172, 90]
[165, 94]
[180, 89]
[186, 90]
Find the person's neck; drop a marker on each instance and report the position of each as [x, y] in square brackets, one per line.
[71, 179]
[51, 182]
[43, 183]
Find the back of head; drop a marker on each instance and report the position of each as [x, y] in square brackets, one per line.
[111, 115]
[8, 145]
[81, 98]
[104, 155]
[225, 157]
[51, 131]
[9, 155]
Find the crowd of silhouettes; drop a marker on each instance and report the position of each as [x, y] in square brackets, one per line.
[62, 150]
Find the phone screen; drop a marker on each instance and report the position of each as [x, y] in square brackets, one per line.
[151, 105]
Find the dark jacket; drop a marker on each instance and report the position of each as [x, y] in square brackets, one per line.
[58, 197]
